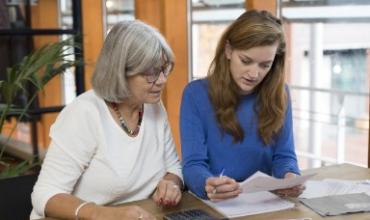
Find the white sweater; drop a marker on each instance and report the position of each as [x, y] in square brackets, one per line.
[92, 158]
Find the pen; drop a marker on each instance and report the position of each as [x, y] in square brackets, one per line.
[222, 172]
[214, 191]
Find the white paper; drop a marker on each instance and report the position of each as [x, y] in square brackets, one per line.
[250, 204]
[263, 182]
[329, 187]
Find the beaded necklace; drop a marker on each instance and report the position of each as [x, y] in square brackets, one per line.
[129, 132]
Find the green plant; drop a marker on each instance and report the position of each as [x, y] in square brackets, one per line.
[37, 69]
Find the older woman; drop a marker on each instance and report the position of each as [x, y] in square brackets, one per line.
[113, 144]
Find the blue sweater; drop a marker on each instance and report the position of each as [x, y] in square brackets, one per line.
[206, 150]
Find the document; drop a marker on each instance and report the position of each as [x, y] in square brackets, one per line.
[330, 187]
[262, 182]
[250, 204]
[255, 198]
[339, 204]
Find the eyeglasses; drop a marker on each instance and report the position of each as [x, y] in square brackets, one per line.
[153, 74]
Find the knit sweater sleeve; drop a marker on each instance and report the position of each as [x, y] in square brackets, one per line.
[194, 149]
[284, 158]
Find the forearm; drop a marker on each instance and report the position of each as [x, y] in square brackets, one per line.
[63, 206]
[195, 179]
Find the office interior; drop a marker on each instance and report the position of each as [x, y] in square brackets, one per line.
[328, 69]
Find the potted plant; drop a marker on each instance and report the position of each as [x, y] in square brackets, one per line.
[37, 69]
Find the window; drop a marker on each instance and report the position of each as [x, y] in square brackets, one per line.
[209, 20]
[118, 10]
[329, 71]
[115, 11]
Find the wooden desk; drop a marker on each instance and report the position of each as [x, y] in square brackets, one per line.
[343, 171]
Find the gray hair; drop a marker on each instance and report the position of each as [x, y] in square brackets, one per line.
[130, 48]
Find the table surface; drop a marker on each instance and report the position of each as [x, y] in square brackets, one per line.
[342, 171]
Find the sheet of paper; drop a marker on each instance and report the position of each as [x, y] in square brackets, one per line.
[263, 182]
[329, 187]
[250, 204]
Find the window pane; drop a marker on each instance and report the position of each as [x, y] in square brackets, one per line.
[209, 20]
[119, 10]
[329, 69]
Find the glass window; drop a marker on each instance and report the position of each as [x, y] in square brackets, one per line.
[209, 18]
[329, 70]
[114, 11]
[118, 10]
[68, 78]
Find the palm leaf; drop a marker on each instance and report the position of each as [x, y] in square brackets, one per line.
[19, 169]
[35, 69]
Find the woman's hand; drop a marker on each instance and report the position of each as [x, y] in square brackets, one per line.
[125, 212]
[290, 192]
[168, 193]
[221, 188]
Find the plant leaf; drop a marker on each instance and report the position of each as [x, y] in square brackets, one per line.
[35, 69]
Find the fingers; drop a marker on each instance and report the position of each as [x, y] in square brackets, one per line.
[290, 192]
[172, 192]
[293, 191]
[220, 188]
[167, 193]
[223, 195]
[178, 198]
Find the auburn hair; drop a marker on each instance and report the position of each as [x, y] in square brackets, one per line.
[252, 29]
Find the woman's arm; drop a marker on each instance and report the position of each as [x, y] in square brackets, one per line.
[284, 159]
[169, 190]
[174, 179]
[172, 162]
[66, 206]
[293, 191]
[193, 142]
[70, 152]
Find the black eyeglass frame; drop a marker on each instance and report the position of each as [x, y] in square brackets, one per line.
[152, 75]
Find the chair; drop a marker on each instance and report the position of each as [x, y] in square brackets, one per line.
[15, 197]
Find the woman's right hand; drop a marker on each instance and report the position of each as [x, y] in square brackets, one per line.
[221, 188]
[124, 212]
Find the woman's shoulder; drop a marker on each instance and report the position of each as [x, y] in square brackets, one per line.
[197, 88]
[86, 103]
[81, 113]
[198, 84]
[196, 94]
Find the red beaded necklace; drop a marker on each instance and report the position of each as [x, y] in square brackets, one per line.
[129, 132]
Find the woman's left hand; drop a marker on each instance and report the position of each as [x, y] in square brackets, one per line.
[167, 193]
[290, 192]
